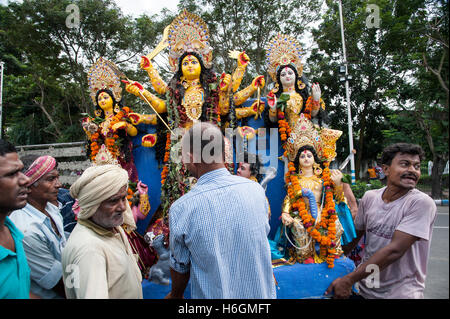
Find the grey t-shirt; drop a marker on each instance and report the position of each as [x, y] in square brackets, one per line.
[414, 213]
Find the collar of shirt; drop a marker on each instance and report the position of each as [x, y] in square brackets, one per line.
[96, 228]
[37, 216]
[213, 175]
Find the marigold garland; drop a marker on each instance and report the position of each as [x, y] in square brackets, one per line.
[323, 232]
[165, 170]
[283, 126]
[308, 107]
[111, 138]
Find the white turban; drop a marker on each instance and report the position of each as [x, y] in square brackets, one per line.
[97, 184]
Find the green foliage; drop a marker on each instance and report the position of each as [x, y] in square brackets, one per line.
[250, 25]
[426, 180]
[47, 62]
[361, 187]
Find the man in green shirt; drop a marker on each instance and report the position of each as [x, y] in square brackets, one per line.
[14, 270]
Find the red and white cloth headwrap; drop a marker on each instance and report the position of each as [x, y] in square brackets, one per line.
[41, 166]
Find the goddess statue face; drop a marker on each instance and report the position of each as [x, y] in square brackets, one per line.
[190, 66]
[306, 159]
[287, 78]
[105, 101]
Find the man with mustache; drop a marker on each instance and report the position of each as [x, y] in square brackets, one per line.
[98, 261]
[398, 222]
[43, 229]
[14, 270]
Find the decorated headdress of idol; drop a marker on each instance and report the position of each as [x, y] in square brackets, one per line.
[283, 50]
[188, 33]
[323, 140]
[102, 77]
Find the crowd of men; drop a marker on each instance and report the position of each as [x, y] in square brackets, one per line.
[218, 231]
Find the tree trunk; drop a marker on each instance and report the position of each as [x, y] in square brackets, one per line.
[44, 110]
[436, 176]
[362, 130]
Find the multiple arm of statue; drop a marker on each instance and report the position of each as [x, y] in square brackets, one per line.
[228, 85]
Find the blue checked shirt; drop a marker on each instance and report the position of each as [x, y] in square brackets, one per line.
[218, 233]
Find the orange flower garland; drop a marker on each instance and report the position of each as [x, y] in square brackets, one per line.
[110, 140]
[283, 126]
[323, 232]
[130, 196]
[311, 104]
[308, 107]
[94, 145]
[165, 170]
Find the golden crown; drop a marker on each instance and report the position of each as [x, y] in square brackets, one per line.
[102, 76]
[104, 157]
[188, 33]
[323, 140]
[283, 50]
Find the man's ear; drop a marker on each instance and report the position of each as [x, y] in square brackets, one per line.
[386, 169]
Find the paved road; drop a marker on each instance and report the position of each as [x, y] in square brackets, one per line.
[437, 283]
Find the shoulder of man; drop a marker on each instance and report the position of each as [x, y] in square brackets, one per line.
[417, 197]
[371, 195]
[22, 219]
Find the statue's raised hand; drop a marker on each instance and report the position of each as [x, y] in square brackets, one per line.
[259, 81]
[243, 59]
[134, 88]
[145, 63]
[316, 92]
[225, 81]
[336, 177]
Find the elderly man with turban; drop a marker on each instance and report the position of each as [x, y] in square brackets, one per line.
[42, 225]
[98, 261]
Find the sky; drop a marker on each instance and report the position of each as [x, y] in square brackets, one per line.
[137, 7]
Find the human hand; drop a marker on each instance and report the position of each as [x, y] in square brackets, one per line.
[170, 296]
[145, 63]
[243, 59]
[341, 287]
[336, 177]
[316, 92]
[259, 81]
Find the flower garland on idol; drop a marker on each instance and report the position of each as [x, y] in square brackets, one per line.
[283, 126]
[323, 232]
[111, 139]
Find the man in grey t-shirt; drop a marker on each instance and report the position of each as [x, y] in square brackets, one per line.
[398, 222]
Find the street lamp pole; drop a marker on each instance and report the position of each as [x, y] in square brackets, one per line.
[1, 97]
[347, 93]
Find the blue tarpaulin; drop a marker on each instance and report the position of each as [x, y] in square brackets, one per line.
[298, 281]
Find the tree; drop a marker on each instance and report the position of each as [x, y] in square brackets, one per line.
[422, 51]
[368, 64]
[250, 25]
[50, 59]
[399, 90]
